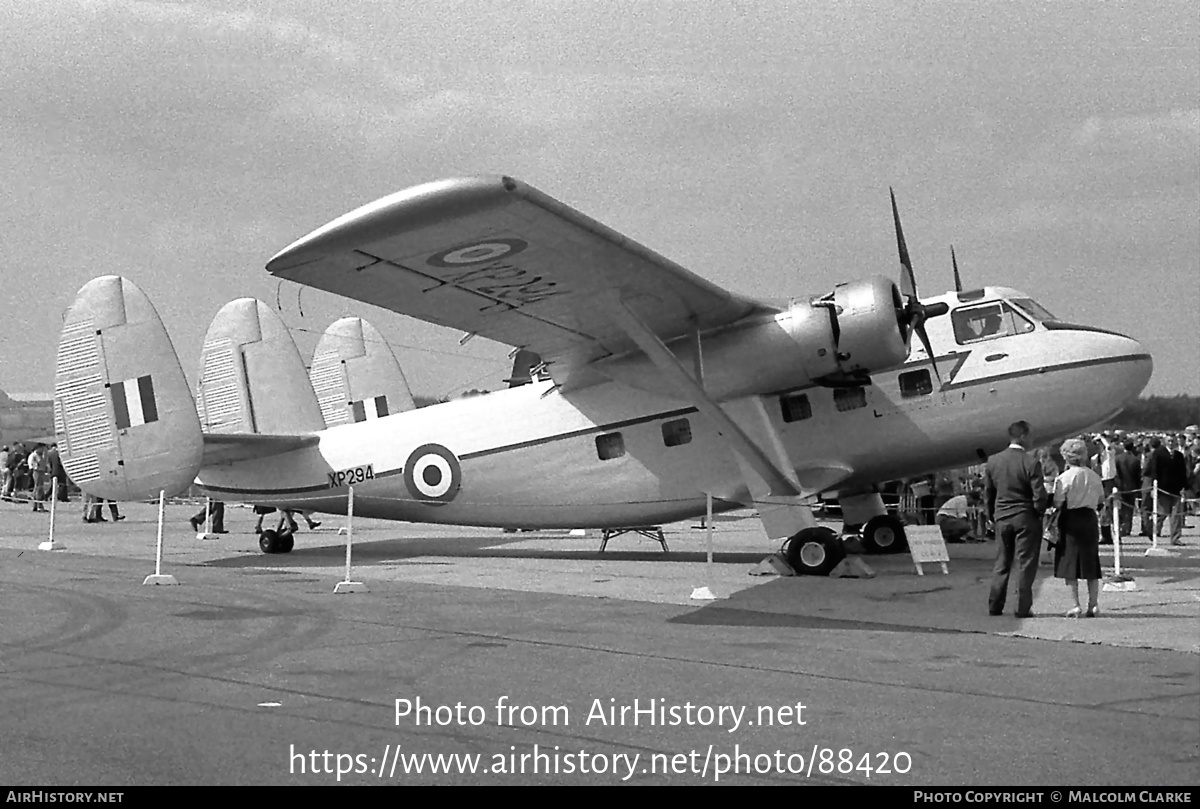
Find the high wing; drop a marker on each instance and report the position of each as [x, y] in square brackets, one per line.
[495, 257]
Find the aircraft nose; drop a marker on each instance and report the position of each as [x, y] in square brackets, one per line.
[1139, 368]
[1124, 364]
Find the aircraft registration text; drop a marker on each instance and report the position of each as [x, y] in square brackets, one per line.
[348, 477]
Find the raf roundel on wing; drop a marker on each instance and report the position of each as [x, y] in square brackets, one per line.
[477, 253]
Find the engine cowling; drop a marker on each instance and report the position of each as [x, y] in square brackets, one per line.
[867, 319]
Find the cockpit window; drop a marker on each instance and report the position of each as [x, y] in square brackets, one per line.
[973, 324]
[1032, 307]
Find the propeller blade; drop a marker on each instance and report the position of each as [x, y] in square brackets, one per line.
[954, 261]
[920, 329]
[908, 283]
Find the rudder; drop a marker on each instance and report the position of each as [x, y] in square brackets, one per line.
[124, 417]
[252, 379]
[355, 374]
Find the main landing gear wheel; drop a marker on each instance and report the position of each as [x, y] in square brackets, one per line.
[815, 551]
[274, 542]
[884, 534]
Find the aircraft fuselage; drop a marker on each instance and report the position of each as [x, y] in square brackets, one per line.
[614, 455]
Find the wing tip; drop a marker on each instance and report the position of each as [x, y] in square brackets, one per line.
[454, 195]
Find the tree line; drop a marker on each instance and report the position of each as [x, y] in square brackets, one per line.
[1160, 413]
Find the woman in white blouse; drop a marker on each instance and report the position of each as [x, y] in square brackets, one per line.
[1078, 492]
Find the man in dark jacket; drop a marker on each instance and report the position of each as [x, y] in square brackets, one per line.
[1015, 497]
[1129, 485]
[1168, 468]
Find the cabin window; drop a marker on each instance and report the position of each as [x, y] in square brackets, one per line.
[973, 324]
[915, 383]
[849, 398]
[609, 446]
[795, 407]
[677, 433]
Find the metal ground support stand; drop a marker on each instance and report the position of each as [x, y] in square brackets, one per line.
[654, 532]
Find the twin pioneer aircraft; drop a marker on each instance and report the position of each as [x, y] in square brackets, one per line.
[655, 390]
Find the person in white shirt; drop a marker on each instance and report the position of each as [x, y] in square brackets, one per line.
[1106, 465]
[954, 518]
[1078, 492]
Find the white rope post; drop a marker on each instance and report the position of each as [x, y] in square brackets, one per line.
[50, 544]
[157, 577]
[1118, 582]
[208, 509]
[1154, 516]
[1154, 550]
[1116, 529]
[707, 593]
[349, 586]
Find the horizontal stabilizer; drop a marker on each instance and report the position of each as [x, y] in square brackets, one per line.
[356, 376]
[222, 448]
[124, 417]
[252, 379]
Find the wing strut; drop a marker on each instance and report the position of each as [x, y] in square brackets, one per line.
[779, 481]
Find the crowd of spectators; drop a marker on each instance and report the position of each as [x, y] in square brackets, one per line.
[1128, 463]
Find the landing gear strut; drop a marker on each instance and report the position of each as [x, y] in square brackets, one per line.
[815, 551]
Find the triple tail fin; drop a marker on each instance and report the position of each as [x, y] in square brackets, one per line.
[252, 380]
[124, 417]
[356, 376]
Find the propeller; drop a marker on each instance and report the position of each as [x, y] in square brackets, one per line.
[957, 279]
[915, 313]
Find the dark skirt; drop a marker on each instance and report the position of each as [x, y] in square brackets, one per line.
[1077, 555]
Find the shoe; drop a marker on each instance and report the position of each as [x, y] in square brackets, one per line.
[118, 518]
[1176, 542]
[1092, 612]
[195, 524]
[995, 612]
[316, 524]
[220, 532]
[1075, 612]
[1029, 614]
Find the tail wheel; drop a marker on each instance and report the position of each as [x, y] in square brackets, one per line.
[815, 551]
[271, 542]
[884, 534]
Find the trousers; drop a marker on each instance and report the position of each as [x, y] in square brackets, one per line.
[1019, 538]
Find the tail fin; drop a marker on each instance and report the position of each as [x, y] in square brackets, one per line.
[523, 364]
[252, 379]
[124, 418]
[356, 375]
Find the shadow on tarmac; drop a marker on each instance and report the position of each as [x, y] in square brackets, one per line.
[397, 551]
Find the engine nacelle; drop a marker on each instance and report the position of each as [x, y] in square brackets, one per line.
[868, 325]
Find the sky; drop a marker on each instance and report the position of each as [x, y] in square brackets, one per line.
[1055, 145]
